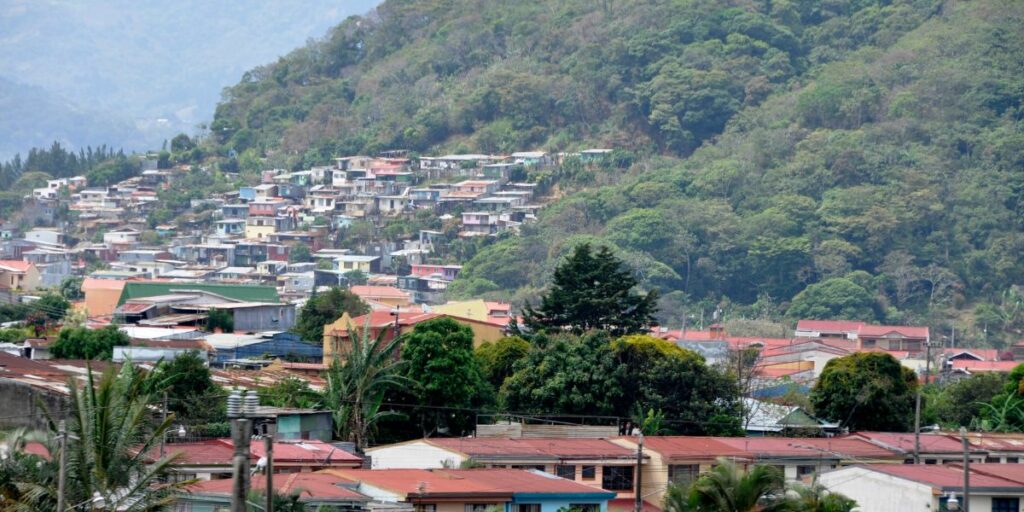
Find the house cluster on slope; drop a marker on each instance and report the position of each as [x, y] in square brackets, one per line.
[800, 359]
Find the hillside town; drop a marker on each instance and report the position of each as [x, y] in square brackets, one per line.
[222, 283]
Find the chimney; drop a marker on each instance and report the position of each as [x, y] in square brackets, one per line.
[717, 331]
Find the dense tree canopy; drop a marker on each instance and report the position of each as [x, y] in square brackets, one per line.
[324, 308]
[439, 358]
[866, 391]
[82, 343]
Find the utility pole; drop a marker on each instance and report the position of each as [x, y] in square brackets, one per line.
[163, 437]
[967, 472]
[62, 472]
[239, 410]
[917, 401]
[639, 507]
[268, 444]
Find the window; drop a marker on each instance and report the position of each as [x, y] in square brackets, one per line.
[479, 507]
[1013, 460]
[802, 471]
[683, 473]
[426, 507]
[992, 460]
[529, 507]
[1005, 504]
[564, 471]
[585, 507]
[588, 472]
[538, 467]
[617, 478]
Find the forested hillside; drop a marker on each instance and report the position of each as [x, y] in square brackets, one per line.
[806, 158]
[493, 76]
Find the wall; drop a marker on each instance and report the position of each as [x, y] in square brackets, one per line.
[21, 405]
[877, 492]
[413, 455]
[260, 319]
[549, 504]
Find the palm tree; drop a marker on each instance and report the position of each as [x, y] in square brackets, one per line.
[356, 386]
[817, 498]
[111, 434]
[727, 488]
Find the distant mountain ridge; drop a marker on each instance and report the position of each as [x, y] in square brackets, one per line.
[157, 65]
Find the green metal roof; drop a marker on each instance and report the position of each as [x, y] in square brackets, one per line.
[241, 292]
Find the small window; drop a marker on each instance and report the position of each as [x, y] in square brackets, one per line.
[1013, 460]
[802, 471]
[426, 507]
[588, 472]
[565, 471]
[683, 474]
[617, 478]
[585, 507]
[479, 507]
[1005, 504]
[538, 467]
[930, 461]
[992, 460]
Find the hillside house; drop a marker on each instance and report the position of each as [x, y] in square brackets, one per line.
[18, 275]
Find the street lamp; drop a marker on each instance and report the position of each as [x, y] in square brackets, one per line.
[951, 502]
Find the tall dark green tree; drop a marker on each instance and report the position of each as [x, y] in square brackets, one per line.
[439, 358]
[324, 308]
[866, 391]
[593, 290]
[497, 360]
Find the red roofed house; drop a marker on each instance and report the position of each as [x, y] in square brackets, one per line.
[336, 335]
[596, 463]
[904, 487]
[18, 275]
[475, 490]
[211, 459]
[680, 459]
[315, 490]
[865, 336]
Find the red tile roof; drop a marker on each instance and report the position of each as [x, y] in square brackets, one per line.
[385, 292]
[983, 354]
[930, 443]
[690, 447]
[828, 325]
[535, 448]
[307, 451]
[944, 476]
[494, 483]
[220, 451]
[985, 366]
[320, 486]
[15, 265]
[842, 447]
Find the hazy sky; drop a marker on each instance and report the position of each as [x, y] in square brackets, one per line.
[157, 66]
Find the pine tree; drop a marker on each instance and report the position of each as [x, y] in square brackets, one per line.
[593, 291]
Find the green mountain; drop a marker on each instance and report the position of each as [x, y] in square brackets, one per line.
[833, 159]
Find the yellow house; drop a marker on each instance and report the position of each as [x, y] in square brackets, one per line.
[387, 295]
[18, 275]
[260, 231]
[336, 334]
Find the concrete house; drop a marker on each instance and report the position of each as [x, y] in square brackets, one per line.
[18, 275]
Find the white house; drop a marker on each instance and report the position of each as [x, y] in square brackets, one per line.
[928, 487]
